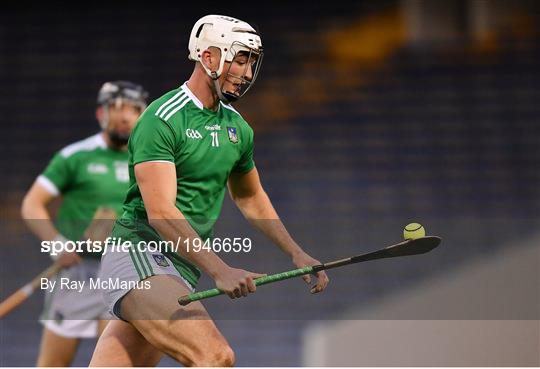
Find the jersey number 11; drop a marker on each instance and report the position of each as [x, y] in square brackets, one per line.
[215, 141]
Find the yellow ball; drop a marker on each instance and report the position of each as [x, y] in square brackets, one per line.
[412, 231]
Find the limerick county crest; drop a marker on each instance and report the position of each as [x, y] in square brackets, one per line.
[160, 260]
[233, 137]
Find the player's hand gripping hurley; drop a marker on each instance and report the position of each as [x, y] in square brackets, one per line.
[409, 247]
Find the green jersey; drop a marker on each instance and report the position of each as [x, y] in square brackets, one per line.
[87, 174]
[205, 146]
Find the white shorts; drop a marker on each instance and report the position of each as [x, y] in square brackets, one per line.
[73, 328]
[74, 313]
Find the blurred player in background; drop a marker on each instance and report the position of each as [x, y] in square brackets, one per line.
[90, 175]
[188, 146]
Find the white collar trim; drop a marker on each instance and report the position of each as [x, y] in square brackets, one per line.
[101, 141]
[192, 96]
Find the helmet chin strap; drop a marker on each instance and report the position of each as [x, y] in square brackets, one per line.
[220, 94]
[217, 88]
[214, 75]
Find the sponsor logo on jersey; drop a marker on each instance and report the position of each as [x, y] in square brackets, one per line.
[121, 171]
[97, 168]
[193, 133]
[215, 127]
[233, 137]
[160, 260]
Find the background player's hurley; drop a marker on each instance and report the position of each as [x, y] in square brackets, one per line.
[98, 230]
[28, 289]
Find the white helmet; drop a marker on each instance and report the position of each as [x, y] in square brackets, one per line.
[231, 36]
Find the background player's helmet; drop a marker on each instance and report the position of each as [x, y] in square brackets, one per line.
[231, 36]
[116, 92]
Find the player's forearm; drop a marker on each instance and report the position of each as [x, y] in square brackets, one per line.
[260, 212]
[171, 224]
[38, 220]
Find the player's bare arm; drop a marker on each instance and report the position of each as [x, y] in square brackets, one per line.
[247, 192]
[157, 182]
[34, 212]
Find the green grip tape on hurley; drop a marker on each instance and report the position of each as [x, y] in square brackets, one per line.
[184, 300]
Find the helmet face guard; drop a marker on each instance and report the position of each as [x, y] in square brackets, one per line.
[117, 92]
[232, 37]
[243, 81]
